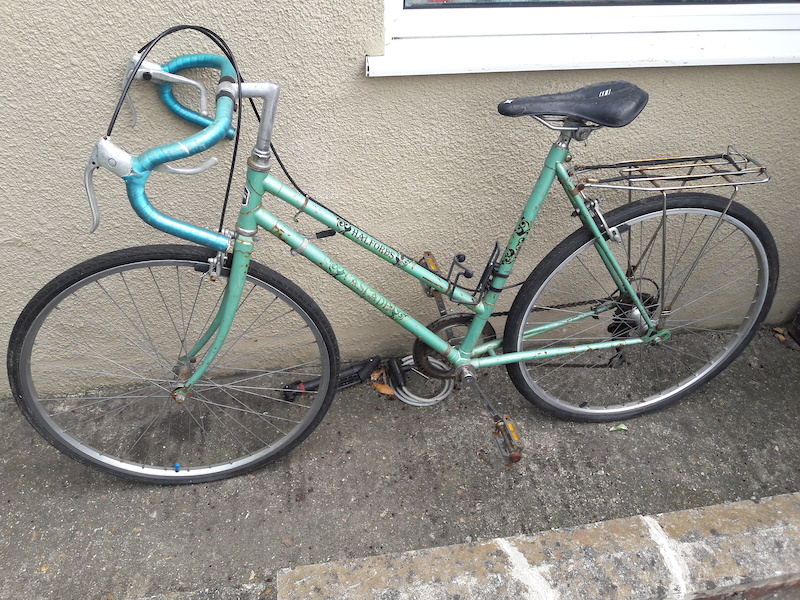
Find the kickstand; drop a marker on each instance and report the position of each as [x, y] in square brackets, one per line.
[505, 433]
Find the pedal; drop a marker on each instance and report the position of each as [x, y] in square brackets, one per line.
[507, 439]
[429, 262]
[505, 433]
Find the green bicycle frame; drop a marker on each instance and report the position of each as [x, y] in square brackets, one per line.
[253, 213]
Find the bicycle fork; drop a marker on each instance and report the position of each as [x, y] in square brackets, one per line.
[221, 325]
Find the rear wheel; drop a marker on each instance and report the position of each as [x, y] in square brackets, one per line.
[715, 270]
[96, 354]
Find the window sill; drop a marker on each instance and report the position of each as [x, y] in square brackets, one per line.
[413, 47]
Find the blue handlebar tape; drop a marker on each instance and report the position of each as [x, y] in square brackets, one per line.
[143, 164]
[202, 61]
[194, 144]
[193, 61]
[186, 231]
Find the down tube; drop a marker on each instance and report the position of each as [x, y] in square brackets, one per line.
[264, 183]
[302, 246]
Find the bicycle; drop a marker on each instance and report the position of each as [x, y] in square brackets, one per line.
[133, 362]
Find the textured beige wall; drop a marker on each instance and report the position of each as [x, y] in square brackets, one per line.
[425, 163]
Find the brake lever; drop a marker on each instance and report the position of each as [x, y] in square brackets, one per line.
[128, 97]
[88, 173]
[151, 71]
[109, 156]
[113, 158]
[204, 166]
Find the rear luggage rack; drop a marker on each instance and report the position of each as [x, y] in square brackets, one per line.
[668, 174]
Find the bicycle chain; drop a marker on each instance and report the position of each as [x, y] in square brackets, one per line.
[505, 313]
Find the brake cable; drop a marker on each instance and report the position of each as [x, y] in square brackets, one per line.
[223, 46]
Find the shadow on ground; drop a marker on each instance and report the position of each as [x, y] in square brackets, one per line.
[379, 476]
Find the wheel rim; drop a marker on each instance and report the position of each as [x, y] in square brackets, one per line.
[105, 361]
[602, 385]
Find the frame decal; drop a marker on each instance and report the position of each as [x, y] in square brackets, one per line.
[366, 240]
[375, 298]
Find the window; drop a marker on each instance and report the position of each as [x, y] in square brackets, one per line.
[434, 37]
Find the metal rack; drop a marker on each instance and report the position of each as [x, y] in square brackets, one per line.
[669, 174]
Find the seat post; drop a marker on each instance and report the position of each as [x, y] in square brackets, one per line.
[564, 138]
[572, 130]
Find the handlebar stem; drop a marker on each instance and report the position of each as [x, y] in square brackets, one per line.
[268, 92]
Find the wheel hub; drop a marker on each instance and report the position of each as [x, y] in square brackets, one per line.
[628, 320]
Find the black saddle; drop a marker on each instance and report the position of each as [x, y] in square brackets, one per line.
[610, 104]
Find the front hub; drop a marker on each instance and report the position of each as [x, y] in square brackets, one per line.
[180, 395]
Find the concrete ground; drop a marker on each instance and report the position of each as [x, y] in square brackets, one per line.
[381, 477]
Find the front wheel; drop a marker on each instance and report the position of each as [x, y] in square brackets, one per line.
[714, 271]
[96, 354]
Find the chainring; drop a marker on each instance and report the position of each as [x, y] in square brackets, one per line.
[452, 328]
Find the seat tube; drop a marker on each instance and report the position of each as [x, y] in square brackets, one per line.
[557, 154]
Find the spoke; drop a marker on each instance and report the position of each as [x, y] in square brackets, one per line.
[112, 413]
[733, 283]
[251, 327]
[678, 246]
[110, 328]
[679, 259]
[267, 419]
[280, 351]
[144, 329]
[207, 384]
[672, 348]
[130, 367]
[700, 331]
[718, 314]
[96, 401]
[246, 410]
[133, 377]
[126, 316]
[155, 418]
[168, 310]
[223, 423]
[591, 272]
[270, 341]
[224, 410]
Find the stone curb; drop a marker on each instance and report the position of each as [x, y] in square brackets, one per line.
[722, 551]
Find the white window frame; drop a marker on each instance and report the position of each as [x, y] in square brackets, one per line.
[428, 41]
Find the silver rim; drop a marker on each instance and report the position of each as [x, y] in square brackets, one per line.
[713, 315]
[101, 360]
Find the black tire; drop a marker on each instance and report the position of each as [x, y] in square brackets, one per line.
[725, 299]
[93, 360]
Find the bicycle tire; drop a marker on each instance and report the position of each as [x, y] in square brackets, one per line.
[712, 319]
[93, 359]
